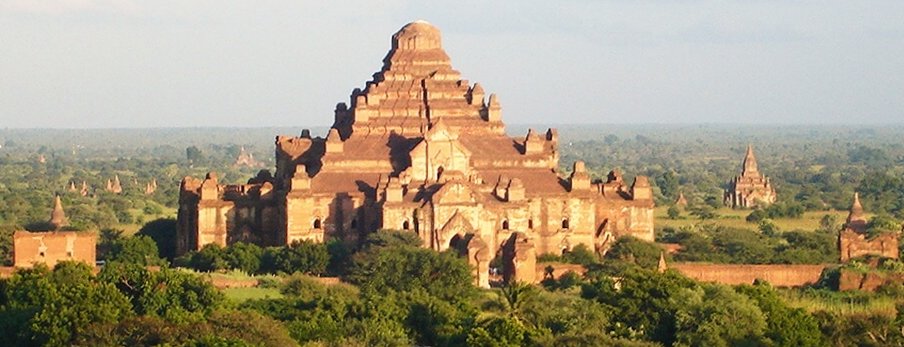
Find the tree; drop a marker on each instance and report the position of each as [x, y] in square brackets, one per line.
[436, 322]
[211, 257]
[340, 257]
[674, 212]
[881, 224]
[163, 232]
[249, 328]
[714, 315]
[568, 280]
[107, 237]
[171, 294]
[6, 244]
[712, 201]
[194, 155]
[768, 227]
[499, 332]
[580, 254]
[743, 246]
[807, 248]
[785, 326]
[388, 238]
[757, 215]
[644, 306]
[828, 224]
[634, 250]
[668, 184]
[557, 313]
[51, 308]
[301, 256]
[243, 256]
[704, 212]
[514, 296]
[695, 246]
[405, 268]
[139, 249]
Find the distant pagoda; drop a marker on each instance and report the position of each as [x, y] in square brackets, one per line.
[58, 216]
[854, 240]
[750, 189]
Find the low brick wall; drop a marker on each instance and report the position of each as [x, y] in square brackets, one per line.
[558, 269]
[734, 274]
[870, 281]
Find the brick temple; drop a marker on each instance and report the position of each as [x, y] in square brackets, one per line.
[751, 189]
[854, 240]
[422, 150]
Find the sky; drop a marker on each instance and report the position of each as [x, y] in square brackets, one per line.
[199, 63]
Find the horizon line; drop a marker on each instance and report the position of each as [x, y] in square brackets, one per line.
[721, 124]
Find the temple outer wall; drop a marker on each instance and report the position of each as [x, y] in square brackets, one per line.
[53, 247]
[734, 274]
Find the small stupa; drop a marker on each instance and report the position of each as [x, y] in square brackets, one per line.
[681, 201]
[58, 216]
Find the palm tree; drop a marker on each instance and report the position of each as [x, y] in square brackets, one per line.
[515, 297]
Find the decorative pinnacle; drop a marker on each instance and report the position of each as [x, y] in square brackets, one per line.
[750, 165]
[58, 215]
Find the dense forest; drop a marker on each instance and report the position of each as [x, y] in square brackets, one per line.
[394, 293]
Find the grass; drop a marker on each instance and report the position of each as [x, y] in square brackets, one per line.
[736, 219]
[239, 295]
[840, 302]
[252, 293]
[132, 228]
[234, 275]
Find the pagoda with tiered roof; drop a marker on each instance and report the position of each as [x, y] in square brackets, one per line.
[422, 150]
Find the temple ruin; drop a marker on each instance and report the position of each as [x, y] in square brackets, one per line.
[58, 218]
[246, 159]
[855, 241]
[750, 189]
[53, 246]
[422, 150]
[114, 186]
[50, 248]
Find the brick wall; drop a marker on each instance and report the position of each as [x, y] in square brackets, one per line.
[734, 274]
[558, 269]
[53, 247]
[870, 281]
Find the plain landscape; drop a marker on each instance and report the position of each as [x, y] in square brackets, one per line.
[815, 169]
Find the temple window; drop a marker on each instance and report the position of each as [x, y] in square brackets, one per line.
[505, 224]
[530, 223]
[406, 225]
[565, 223]
[317, 224]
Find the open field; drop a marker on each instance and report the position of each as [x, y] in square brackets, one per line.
[840, 303]
[251, 293]
[736, 219]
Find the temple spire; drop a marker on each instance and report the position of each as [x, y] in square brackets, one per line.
[750, 166]
[856, 219]
[58, 216]
[662, 266]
